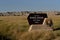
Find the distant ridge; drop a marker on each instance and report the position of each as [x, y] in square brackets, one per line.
[25, 13]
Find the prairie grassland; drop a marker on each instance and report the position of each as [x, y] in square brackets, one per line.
[13, 24]
[15, 28]
[56, 21]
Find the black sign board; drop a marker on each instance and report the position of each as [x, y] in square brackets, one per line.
[36, 18]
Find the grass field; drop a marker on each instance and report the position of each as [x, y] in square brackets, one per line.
[16, 27]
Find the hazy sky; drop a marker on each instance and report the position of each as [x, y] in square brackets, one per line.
[29, 5]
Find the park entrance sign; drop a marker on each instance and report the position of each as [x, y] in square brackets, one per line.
[39, 21]
[36, 18]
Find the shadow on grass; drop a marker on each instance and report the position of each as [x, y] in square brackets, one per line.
[56, 29]
[2, 37]
[1, 20]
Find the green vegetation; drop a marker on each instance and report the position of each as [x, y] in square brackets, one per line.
[16, 27]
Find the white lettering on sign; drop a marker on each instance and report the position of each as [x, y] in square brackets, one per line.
[36, 17]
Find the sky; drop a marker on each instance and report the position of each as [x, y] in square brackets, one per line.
[29, 5]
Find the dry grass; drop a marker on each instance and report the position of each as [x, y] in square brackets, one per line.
[17, 26]
[12, 25]
[38, 35]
